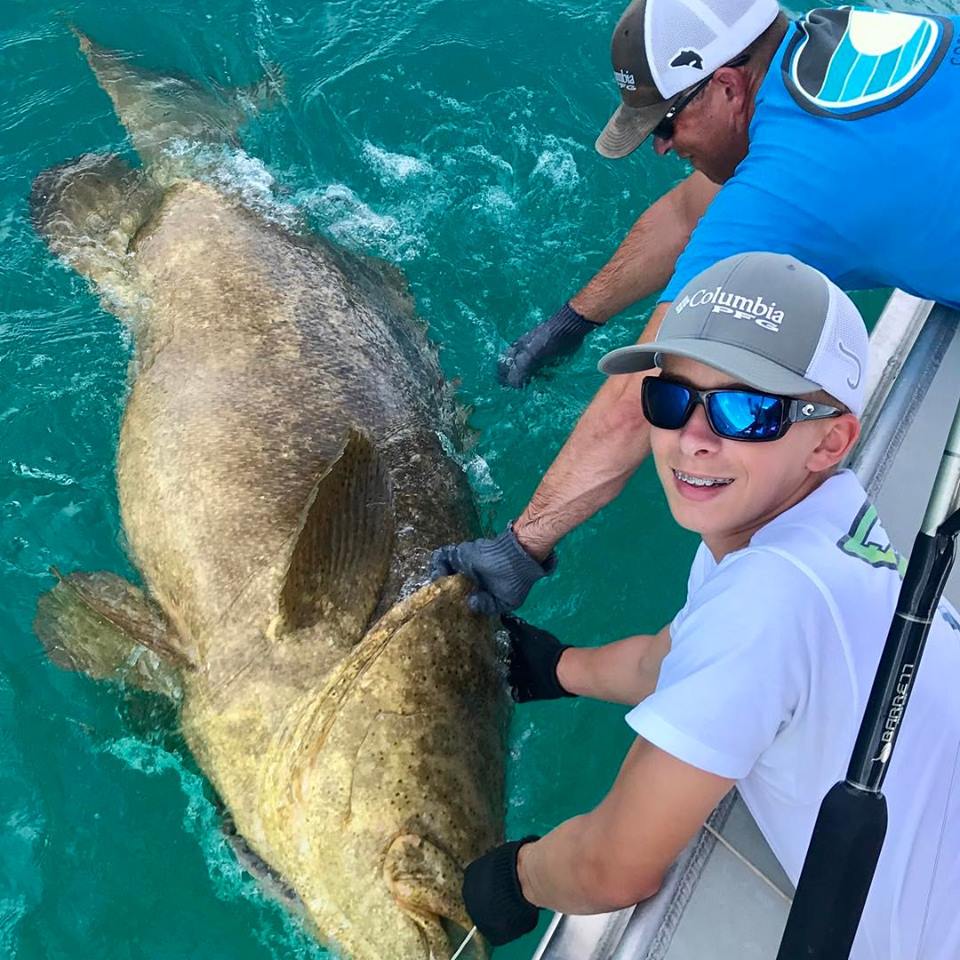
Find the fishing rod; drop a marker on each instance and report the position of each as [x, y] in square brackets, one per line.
[852, 823]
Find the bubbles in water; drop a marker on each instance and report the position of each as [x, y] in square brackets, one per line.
[484, 154]
[496, 203]
[201, 819]
[557, 165]
[346, 218]
[38, 473]
[477, 470]
[237, 174]
[394, 166]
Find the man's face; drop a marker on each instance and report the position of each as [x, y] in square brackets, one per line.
[761, 480]
[711, 131]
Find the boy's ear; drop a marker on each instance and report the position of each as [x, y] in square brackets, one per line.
[835, 443]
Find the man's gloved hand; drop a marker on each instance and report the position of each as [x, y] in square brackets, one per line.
[556, 337]
[532, 664]
[502, 570]
[494, 898]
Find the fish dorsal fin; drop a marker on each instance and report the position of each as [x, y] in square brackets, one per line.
[341, 556]
[381, 281]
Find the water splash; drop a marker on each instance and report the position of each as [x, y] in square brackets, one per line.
[481, 481]
[341, 214]
[394, 166]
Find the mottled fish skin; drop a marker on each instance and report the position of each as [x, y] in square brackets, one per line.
[282, 484]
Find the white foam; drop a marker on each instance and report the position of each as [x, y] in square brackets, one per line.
[237, 174]
[478, 150]
[557, 164]
[202, 820]
[394, 166]
[477, 470]
[496, 203]
[346, 218]
[37, 473]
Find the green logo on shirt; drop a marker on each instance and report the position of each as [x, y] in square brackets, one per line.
[858, 543]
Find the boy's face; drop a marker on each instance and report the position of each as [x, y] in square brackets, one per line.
[765, 478]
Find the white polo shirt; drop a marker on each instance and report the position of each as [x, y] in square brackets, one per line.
[771, 663]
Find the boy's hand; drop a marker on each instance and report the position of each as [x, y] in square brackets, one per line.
[533, 659]
[493, 895]
[502, 570]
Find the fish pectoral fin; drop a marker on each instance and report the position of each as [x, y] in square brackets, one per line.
[106, 627]
[426, 881]
[341, 555]
[268, 91]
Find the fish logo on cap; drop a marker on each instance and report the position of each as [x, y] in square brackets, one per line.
[688, 58]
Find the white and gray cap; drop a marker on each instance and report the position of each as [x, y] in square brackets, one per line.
[767, 319]
[662, 47]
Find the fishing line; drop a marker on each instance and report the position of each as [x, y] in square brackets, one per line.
[463, 946]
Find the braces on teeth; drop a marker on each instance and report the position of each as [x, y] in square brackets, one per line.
[701, 481]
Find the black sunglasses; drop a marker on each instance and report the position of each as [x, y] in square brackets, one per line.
[665, 128]
[733, 414]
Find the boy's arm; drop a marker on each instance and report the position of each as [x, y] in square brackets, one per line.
[625, 671]
[617, 854]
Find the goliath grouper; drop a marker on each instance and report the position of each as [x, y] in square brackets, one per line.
[281, 485]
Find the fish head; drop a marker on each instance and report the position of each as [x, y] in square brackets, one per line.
[391, 780]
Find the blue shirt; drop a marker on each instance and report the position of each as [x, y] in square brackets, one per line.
[853, 159]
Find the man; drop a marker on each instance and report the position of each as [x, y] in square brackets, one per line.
[831, 139]
[761, 679]
[801, 132]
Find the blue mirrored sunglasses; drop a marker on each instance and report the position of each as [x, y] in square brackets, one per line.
[732, 414]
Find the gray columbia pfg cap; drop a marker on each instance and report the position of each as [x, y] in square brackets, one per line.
[662, 47]
[770, 321]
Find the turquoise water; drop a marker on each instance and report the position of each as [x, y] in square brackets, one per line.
[454, 139]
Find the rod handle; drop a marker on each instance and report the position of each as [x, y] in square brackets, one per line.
[836, 876]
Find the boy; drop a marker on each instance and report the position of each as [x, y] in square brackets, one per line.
[761, 679]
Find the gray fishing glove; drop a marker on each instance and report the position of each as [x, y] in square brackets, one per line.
[502, 570]
[557, 337]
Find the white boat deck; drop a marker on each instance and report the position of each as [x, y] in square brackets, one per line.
[727, 898]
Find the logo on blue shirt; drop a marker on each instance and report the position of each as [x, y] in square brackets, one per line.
[852, 63]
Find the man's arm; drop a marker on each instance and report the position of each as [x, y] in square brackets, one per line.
[611, 439]
[617, 855]
[625, 671]
[645, 259]
[641, 265]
